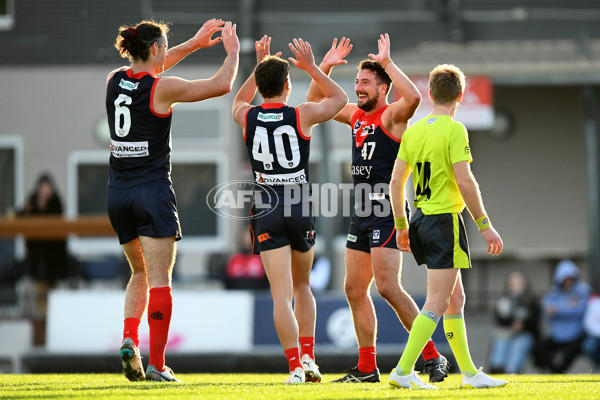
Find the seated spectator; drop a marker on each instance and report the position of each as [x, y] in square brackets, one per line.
[591, 325]
[517, 320]
[245, 270]
[563, 308]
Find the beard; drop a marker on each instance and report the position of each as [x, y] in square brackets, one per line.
[369, 104]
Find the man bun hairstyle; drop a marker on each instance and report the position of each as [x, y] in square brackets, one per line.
[134, 43]
[379, 71]
[446, 82]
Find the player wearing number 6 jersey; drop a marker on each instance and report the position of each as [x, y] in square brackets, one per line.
[371, 251]
[436, 150]
[140, 198]
[277, 139]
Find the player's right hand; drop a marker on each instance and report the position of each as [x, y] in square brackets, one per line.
[337, 53]
[303, 52]
[493, 240]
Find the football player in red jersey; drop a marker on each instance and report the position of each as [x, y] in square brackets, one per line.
[371, 251]
[140, 198]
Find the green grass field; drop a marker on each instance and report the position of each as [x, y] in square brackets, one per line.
[269, 386]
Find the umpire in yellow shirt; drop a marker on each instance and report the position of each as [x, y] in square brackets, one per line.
[436, 150]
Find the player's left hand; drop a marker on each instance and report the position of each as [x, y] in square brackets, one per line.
[402, 240]
[493, 240]
[384, 48]
[203, 38]
[303, 52]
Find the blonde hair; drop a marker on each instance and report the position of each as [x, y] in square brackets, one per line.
[446, 82]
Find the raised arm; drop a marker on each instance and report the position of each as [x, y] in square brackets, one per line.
[400, 174]
[470, 192]
[246, 94]
[399, 112]
[203, 38]
[171, 90]
[335, 97]
[335, 56]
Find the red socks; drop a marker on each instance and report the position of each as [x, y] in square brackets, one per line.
[367, 359]
[307, 346]
[293, 358]
[429, 351]
[160, 306]
[131, 330]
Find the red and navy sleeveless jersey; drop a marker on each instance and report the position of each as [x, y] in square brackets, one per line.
[374, 152]
[140, 138]
[277, 149]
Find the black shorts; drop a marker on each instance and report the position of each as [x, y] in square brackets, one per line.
[439, 241]
[149, 209]
[292, 225]
[368, 232]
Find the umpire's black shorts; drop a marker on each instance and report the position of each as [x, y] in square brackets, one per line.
[149, 209]
[439, 241]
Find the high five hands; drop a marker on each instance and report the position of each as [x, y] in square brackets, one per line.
[263, 48]
[337, 53]
[384, 49]
[303, 53]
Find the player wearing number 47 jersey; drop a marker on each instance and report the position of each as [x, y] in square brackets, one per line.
[140, 198]
[371, 251]
[277, 139]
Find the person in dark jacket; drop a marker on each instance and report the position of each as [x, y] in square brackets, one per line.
[517, 318]
[47, 260]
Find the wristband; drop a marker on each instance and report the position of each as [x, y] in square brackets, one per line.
[400, 223]
[483, 222]
[385, 62]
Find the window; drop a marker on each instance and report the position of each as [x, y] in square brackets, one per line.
[192, 182]
[91, 188]
[11, 173]
[193, 174]
[7, 180]
[7, 14]
[11, 195]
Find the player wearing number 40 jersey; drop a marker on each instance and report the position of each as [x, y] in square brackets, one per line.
[140, 198]
[277, 139]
